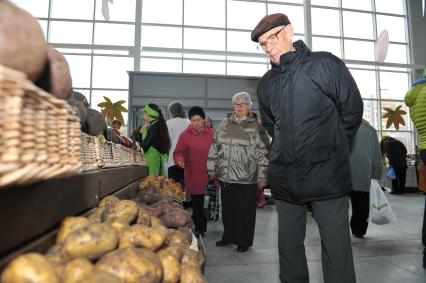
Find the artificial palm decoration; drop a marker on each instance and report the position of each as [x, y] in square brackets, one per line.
[111, 110]
[394, 117]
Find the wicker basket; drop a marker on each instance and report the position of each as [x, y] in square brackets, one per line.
[39, 134]
[90, 156]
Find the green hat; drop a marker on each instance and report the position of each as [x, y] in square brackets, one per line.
[151, 111]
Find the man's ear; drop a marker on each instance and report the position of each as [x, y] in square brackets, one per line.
[289, 32]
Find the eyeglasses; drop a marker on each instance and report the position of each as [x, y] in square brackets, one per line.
[272, 39]
[240, 104]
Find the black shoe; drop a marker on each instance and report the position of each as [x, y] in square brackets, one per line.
[242, 249]
[221, 243]
[359, 236]
[424, 258]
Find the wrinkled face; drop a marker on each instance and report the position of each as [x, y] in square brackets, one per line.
[197, 122]
[276, 42]
[241, 108]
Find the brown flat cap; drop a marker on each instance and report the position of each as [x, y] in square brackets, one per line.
[267, 23]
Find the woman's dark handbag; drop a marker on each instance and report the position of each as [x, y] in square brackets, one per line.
[212, 202]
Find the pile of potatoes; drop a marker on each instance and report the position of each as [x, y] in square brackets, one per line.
[156, 187]
[121, 241]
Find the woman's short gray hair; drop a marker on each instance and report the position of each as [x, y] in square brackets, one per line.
[242, 96]
[176, 109]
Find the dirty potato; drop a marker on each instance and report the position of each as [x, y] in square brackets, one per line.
[187, 232]
[107, 201]
[99, 276]
[30, 267]
[176, 237]
[149, 197]
[69, 225]
[132, 265]
[54, 254]
[153, 211]
[118, 224]
[76, 270]
[155, 221]
[123, 209]
[143, 217]
[176, 219]
[90, 242]
[191, 275]
[191, 258]
[171, 266]
[96, 215]
[151, 238]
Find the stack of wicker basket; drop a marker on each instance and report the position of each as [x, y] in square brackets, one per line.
[39, 135]
[97, 153]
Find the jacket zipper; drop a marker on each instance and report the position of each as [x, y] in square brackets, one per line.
[230, 150]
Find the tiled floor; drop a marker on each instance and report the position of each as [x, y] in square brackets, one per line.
[390, 253]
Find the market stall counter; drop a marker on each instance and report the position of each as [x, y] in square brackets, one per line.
[30, 213]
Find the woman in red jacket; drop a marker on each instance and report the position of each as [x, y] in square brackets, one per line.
[191, 154]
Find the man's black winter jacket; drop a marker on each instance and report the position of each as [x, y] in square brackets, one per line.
[311, 106]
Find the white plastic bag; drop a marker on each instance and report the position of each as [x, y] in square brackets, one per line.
[380, 210]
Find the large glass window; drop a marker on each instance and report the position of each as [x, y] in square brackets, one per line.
[153, 11]
[359, 50]
[203, 67]
[114, 34]
[392, 7]
[325, 22]
[358, 25]
[123, 11]
[207, 13]
[328, 3]
[238, 41]
[213, 37]
[170, 37]
[393, 85]
[327, 44]
[39, 8]
[371, 113]
[111, 72]
[397, 53]
[242, 69]
[357, 5]
[204, 39]
[71, 32]
[159, 65]
[394, 25]
[80, 67]
[244, 15]
[366, 81]
[76, 9]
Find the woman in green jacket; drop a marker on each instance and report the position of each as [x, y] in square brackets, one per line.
[155, 140]
[416, 100]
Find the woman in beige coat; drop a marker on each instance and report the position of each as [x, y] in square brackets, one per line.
[237, 158]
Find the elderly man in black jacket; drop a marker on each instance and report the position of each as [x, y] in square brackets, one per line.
[311, 106]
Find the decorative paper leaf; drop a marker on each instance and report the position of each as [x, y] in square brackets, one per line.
[394, 117]
[103, 104]
[111, 110]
